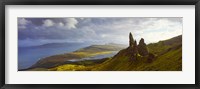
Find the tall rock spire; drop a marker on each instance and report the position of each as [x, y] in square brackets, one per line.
[142, 48]
[132, 49]
[135, 47]
[131, 40]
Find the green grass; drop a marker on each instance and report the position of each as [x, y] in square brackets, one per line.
[170, 61]
[168, 57]
[70, 67]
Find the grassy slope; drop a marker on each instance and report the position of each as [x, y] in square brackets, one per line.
[169, 58]
[170, 61]
[162, 46]
[168, 52]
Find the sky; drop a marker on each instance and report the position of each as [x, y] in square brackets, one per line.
[96, 30]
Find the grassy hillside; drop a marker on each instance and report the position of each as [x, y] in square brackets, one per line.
[170, 61]
[163, 56]
[162, 46]
[168, 57]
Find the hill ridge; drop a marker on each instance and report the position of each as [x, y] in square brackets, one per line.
[165, 55]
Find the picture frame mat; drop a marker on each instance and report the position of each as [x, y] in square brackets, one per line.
[186, 76]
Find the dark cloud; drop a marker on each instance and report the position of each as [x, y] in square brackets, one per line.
[107, 29]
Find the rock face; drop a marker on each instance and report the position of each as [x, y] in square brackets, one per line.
[132, 49]
[135, 49]
[131, 40]
[142, 48]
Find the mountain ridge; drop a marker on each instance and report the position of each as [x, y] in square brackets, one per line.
[164, 55]
[170, 59]
[89, 51]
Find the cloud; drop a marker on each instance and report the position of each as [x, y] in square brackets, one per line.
[22, 27]
[22, 23]
[157, 36]
[60, 24]
[48, 23]
[152, 29]
[103, 30]
[71, 23]
[155, 29]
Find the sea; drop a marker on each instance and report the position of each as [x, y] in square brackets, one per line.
[27, 56]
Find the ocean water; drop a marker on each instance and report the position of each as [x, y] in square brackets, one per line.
[27, 56]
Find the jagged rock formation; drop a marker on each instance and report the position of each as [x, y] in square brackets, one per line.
[132, 49]
[130, 59]
[135, 50]
[131, 40]
[142, 48]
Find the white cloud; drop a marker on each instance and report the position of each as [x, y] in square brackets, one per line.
[151, 29]
[60, 24]
[22, 22]
[161, 29]
[82, 18]
[71, 23]
[158, 36]
[22, 27]
[48, 23]
[112, 30]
